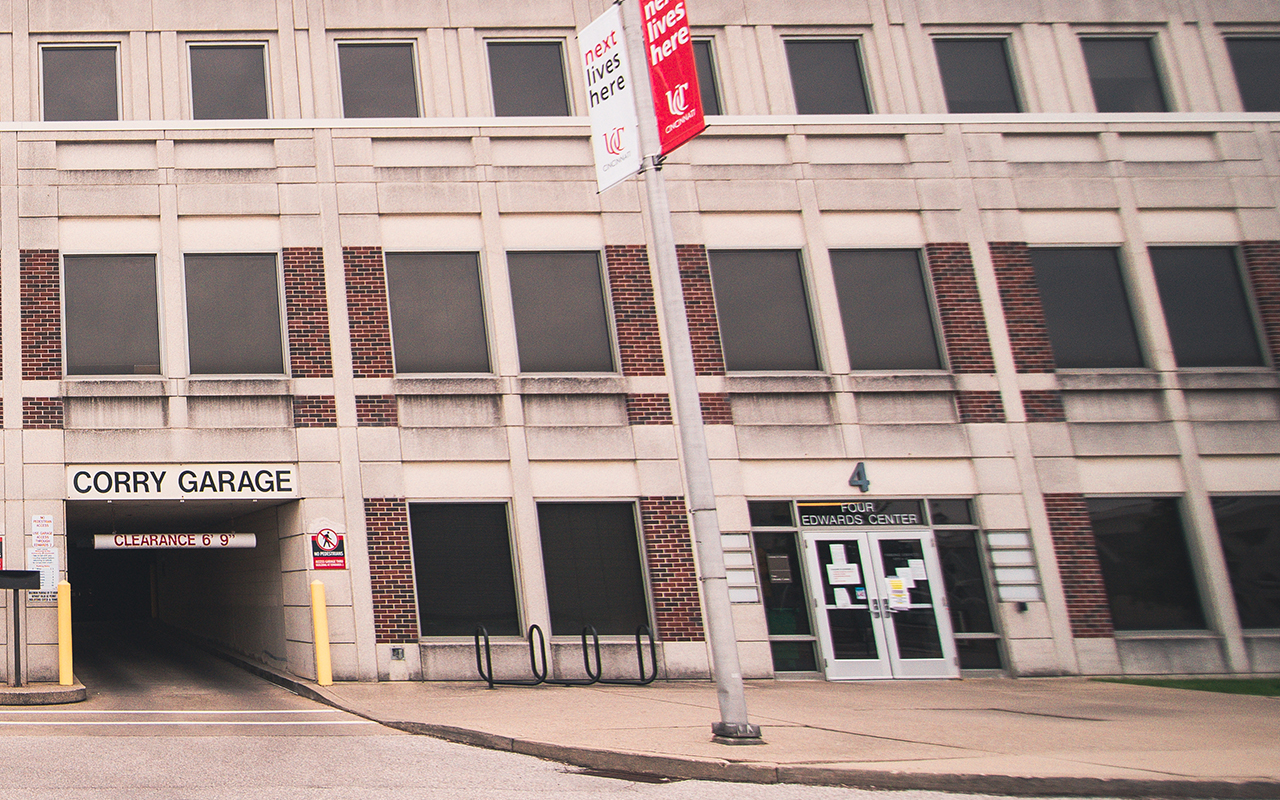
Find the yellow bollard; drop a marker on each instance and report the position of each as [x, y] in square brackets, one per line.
[320, 624]
[66, 676]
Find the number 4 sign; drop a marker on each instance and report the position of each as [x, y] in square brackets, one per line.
[328, 550]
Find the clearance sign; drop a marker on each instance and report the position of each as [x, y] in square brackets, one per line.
[673, 75]
[182, 482]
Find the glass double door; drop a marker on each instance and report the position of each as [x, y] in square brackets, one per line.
[880, 606]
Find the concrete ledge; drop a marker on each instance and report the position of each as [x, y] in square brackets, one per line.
[42, 694]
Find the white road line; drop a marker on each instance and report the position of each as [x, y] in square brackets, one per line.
[174, 711]
[201, 723]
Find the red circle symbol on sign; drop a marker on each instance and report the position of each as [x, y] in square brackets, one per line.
[327, 540]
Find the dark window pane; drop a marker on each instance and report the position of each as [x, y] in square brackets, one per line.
[979, 653]
[1123, 75]
[233, 315]
[1142, 550]
[770, 513]
[885, 309]
[462, 567]
[762, 310]
[1205, 307]
[592, 561]
[950, 512]
[826, 76]
[962, 576]
[1250, 531]
[229, 82]
[852, 629]
[1257, 66]
[704, 59]
[786, 603]
[793, 657]
[1086, 309]
[561, 322]
[378, 80]
[528, 79]
[79, 84]
[437, 316]
[976, 76]
[112, 324]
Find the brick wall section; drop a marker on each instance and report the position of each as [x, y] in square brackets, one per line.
[307, 313]
[367, 312]
[42, 413]
[700, 309]
[1023, 314]
[635, 311]
[980, 406]
[395, 616]
[377, 411]
[41, 300]
[1263, 262]
[316, 411]
[1077, 553]
[960, 308]
[716, 409]
[1043, 406]
[649, 409]
[672, 576]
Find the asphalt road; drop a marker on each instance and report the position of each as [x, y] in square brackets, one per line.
[167, 721]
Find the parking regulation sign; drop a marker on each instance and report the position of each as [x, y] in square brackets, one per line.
[328, 550]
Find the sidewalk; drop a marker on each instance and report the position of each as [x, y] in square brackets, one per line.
[1066, 736]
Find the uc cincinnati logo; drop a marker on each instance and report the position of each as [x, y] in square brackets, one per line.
[677, 103]
[613, 141]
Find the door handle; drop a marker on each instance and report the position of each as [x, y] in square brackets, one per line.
[875, 608]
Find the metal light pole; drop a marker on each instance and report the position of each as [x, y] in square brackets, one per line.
[725, 668]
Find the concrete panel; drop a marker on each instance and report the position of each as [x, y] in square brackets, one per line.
[552, 231]
[1030, 658]
[1122, 438]
[584, 479]
[378, 444]
[782, 409]
[814, 12]
[1058, 475]
[1041, 148]
[681, 661]
[873, 229]
[654, 442]
[1240, 406]
[212, 234]
[456, 232]
[1130, 475]
[753, 230]
[747, 195]
[1264, 653]
[225, 155]
[1098, 656]
[228, 199]
[107, 155]
[1166, 147]
[239, 412]
[248, 445]
[1184, 193]
[737, 150]
[660, 479]
[879, 407]
[1226, 438]
[1188, 227]
[1171, 656]
[857, 149]
[589, 410]
[365, 15]
[1007, 511]
[578, 443]
[1056, 193]
[423, 153]
[908, 441]
[867, 195]
[789, 441]
[1030, 624]
[321, 479]
[110, 201]
[904, 477]
[451, 411]
[117, 412]
[434, 198]
[457, 480]
[1230, 474]
[1072, 227]
[1113, 406]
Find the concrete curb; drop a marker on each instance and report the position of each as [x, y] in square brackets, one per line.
[690, 768]
[42, 694]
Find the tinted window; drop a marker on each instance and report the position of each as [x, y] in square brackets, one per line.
[1142, 550]
[112, 325]
[1205, 307]
[437, 316]
[977, 644]
[762, 310]
[826, 76]
[592, 561]
[1250, 531]
[462, 567]
[1086, 309]
[1123, 75]
[377, 79]
[885, 309]
[1257, 66]
[233, 315]
[561, 323]
[528, 79]
[228, 82]
[79, 84]
[976, 76]
[704, 59]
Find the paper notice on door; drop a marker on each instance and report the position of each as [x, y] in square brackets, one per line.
[842, 598]
[907, 577]
[917, 569]
[899, 595]
[837, 554]
[843, 574]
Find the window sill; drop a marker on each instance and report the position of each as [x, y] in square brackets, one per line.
[447, 384]
[759, 383]
[1175, 634]
[900, 382]
[571, 384]
[1116, 379]
[93, 386]
[235, 385]
[1262, 633]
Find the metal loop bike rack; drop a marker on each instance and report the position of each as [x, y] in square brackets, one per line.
[592, 677]
[485, 667]
[643, 630]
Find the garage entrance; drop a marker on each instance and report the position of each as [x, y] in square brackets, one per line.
[165, 569]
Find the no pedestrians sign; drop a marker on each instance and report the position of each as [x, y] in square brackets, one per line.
[328, 550]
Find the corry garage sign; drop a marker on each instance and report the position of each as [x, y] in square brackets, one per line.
[182, 482]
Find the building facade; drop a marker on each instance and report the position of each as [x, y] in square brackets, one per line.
[984, 299]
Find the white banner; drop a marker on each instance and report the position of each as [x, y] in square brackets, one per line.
[615, 130]
[174, 541]
[182, 481]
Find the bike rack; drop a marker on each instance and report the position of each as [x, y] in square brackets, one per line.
[592, 677]
[643, 630]
[538, 676]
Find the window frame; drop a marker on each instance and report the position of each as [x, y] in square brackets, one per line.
[717, 84]
[931, 302]
[1021, 89]
[860, 40]
[1230, 68]
[163, 372]
[807, 288]
[486, 317]
[1158, 65]
[415, 64]
[115, 45]
[281, 307]
[565, 74]
[1137, 319]
[267, 69]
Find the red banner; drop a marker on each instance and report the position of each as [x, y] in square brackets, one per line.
[672, 72]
